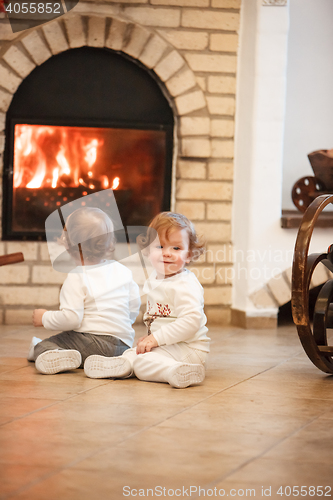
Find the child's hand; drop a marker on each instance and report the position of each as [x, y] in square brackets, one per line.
[37, 317]
[146, 344]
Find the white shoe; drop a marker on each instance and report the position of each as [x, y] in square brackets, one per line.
[182, 376]
[58, 360]
[34, 341]
[96, 366]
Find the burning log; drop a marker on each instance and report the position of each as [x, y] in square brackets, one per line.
[12, 258]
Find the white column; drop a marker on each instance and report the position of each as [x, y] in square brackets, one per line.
[259, 150]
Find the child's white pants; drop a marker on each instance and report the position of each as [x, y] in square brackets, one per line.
[154, 366]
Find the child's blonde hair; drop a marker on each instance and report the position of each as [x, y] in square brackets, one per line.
[169, 221]
[89, 235]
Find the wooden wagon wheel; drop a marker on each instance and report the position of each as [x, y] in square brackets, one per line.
[305, 190]
[314, 341]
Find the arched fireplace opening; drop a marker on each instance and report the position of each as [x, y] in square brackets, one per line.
[87, 119]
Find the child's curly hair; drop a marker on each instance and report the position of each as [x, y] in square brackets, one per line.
[169, 221]
[88, 235]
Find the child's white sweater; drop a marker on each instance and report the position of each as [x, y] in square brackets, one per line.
[175, 310]
[102, 299]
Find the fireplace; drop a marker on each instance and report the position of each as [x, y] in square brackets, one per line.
[86, 120]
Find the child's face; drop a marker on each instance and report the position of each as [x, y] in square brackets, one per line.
[169, 254]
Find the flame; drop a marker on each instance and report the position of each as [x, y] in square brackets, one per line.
[105, 181]
[62, 162]
[18, 176]
[38, 178]
[58, 156]
[115, 183]
[91, 152]
[24, 143]
[55, 177]
[23, 148]
[27, 150]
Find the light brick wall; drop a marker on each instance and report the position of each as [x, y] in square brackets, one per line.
[29, 284]
[192, 46]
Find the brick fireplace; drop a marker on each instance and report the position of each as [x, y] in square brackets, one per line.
[190, 47]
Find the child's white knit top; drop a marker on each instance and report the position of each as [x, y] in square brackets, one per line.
[102, 299]
[175, 310]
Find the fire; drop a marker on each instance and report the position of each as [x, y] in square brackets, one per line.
[37, 180]
[115, 183]
[62, 161]
[55, 177]
[58, 157]
[18, 176]
[91, 152]
[24, 142]
[105, 181]
[23, 145]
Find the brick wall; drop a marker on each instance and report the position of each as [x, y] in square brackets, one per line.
[192, 46]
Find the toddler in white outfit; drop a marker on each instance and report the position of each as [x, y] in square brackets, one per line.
[99, 301]
[176, 347]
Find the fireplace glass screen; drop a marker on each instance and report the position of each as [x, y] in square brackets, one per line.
[54, 165]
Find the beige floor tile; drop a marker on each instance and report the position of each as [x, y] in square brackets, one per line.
[160, 452]
[328, 415]
[73, 415]
[29, 373]
[123, 391]
[87, 485]
[13, 408]
[311, 444]
[66, 445]
[258, 403]
[15, 476]
[204, 416]
[41, 389]
[276, 473]
[12, 361]
[319, 387]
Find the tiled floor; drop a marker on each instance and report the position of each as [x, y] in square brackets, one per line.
[262, 419]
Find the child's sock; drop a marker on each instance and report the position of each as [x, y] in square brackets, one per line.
[34, 341]
[96, 366]
[58, 360]
[184, 375]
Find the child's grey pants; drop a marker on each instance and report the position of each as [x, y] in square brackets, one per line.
[86, 343]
